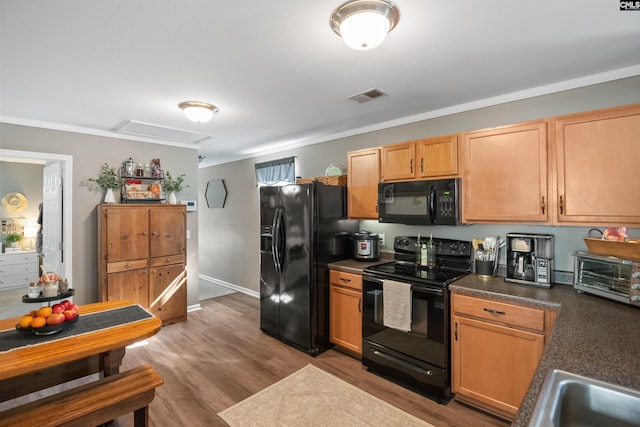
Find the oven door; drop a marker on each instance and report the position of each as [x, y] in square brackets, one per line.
[418, 359]
[428, 339]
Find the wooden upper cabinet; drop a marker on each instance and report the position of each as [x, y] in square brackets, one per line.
[362, 183]
[167, 232]
[126, 233]
[420, 159]
[596, 166]
[398, 162]
[437, 156]
[505, 178]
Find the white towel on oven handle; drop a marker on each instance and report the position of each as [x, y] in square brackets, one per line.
[396, 300]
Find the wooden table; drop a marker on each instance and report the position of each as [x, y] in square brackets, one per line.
[28, 369]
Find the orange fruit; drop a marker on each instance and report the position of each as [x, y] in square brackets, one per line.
[33, 313]
[38, 322]
[25, 322]
[44, 312]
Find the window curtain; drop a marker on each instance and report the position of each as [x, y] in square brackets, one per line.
[276, 172]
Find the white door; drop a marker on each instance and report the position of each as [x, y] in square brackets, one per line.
[52, 218]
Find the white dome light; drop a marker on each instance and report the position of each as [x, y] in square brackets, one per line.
[199, 112]
[364, 24]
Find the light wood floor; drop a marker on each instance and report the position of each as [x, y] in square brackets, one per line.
[220, 357]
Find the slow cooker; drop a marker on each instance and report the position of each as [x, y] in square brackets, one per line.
[366, 246]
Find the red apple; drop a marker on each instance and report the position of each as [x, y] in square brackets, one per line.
[55, 319]
[74, 307]
[70, 315]
[66, 303]
[58, 308]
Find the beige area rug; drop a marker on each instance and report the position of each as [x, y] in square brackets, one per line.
[313, 397]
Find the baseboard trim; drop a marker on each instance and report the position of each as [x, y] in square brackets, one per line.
[194, 307]
[231, 286]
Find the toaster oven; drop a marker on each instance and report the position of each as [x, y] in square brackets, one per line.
[609, 277]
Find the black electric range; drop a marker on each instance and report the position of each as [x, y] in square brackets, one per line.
[413, 352]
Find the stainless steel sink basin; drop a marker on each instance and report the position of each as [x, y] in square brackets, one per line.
[568, 399]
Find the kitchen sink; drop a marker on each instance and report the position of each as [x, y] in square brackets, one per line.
[568, 399]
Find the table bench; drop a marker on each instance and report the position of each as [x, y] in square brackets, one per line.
[92, 404]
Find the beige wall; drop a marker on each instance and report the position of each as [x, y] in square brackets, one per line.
[89, 153]
[229, 242]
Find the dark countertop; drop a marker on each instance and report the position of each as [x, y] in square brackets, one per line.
[592, 336]
[356, 267]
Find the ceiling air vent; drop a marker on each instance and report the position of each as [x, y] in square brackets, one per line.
[131, 127]
[367, 95]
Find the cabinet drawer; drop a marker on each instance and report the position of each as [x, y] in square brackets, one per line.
[348, 280]
[167, 260]
[31, 268]
[135, 264]
[511, 314]
[17, 280]
[19, 258]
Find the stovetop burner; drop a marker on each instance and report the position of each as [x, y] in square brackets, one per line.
[453, 257]
[437, 277]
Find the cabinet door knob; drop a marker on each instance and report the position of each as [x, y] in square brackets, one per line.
[344, 279]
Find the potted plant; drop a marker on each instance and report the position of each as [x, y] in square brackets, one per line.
[107, 180]
[173, 186]
[12, 239]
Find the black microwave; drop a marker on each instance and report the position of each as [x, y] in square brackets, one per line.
[434, 202]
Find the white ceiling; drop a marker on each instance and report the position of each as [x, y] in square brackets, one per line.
[278, 73]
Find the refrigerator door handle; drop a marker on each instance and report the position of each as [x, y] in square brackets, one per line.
[277, 235]
[274, 240]
[281, 240]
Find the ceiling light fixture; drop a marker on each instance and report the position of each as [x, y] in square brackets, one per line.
[364, 24]
[199, 112]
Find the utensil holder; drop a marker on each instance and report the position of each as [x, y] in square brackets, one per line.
[484, 268]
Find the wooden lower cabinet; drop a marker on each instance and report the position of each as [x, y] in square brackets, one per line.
[345, 313]
[495, 349]
[167, 296]
[129, 286]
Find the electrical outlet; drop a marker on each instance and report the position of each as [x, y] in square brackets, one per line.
[381, 237]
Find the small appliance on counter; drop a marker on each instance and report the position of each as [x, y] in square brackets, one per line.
[530, 259]
[366, 246]
[607, 276]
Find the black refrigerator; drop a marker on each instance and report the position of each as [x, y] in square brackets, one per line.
[302, 229]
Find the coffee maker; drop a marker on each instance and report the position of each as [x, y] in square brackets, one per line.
[530, 259]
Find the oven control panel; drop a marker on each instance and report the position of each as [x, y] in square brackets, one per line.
[444, 247]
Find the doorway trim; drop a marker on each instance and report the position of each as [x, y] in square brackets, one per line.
[67, 198]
